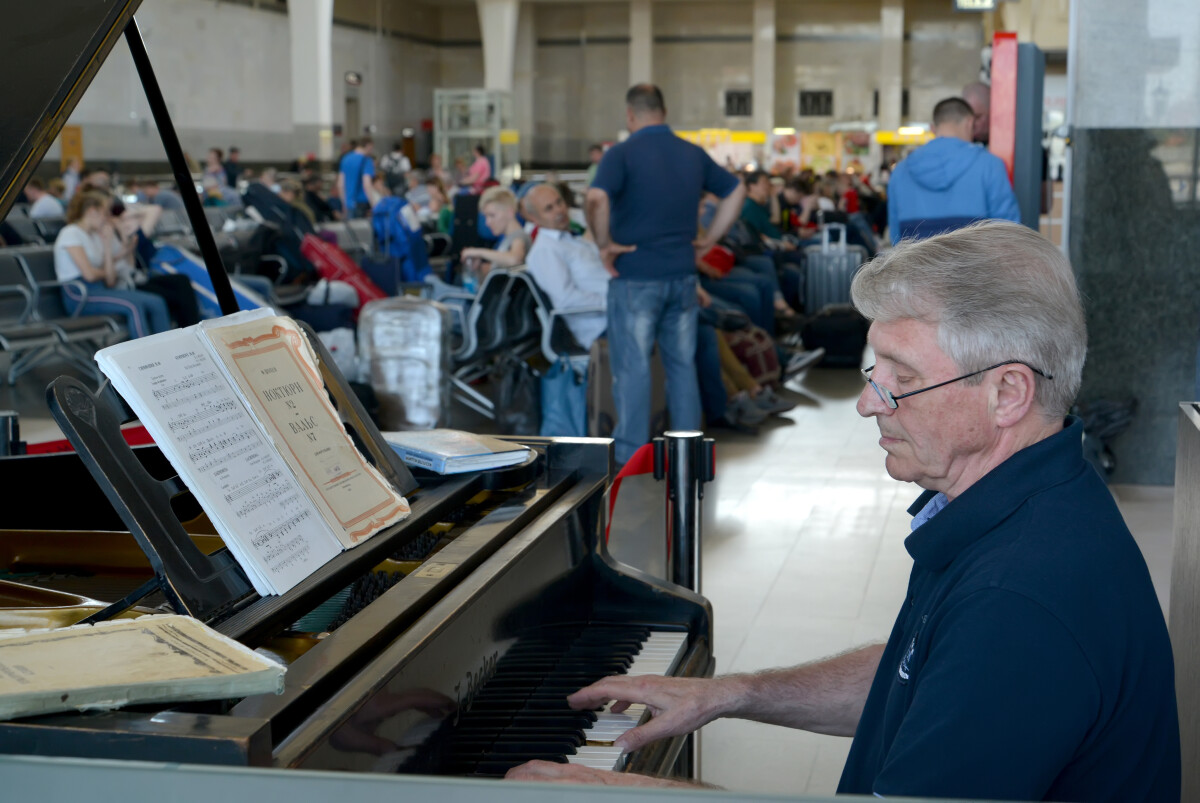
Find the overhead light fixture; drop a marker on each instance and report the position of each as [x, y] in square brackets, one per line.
[783, 132]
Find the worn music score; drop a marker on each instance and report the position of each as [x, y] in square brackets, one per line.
[148, 659]
[258, 491]
[270, 361]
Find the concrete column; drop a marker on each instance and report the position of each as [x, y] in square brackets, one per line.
[498, 25]
[764, 65]
[891, 63]
[524, 73]
[641, 42]
[311, 26]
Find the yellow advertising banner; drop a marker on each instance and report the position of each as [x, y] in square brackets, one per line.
[821, 150]
[71, 140]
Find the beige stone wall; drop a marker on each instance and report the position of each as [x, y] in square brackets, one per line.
[581, 66]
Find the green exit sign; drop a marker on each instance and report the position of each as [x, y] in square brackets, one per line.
[974, 5]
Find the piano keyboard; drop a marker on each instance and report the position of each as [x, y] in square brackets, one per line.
[659, 655]
[521, 712]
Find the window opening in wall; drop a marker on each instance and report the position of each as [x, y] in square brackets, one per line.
[816, 102]
[738, 103]
[903, 104]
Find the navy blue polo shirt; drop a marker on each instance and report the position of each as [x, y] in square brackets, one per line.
[654, 182]
[1030, 660]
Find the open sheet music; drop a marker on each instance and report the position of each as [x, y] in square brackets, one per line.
[238, 407]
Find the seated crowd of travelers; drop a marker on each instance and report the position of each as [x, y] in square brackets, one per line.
[750, 294]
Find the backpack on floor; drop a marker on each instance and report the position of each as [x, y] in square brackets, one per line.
[755, 349]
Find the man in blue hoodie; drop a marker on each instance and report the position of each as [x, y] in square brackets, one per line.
[950, 182]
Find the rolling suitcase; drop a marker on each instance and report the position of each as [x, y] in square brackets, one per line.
[405, 344]
[829, 269]
[601, 410]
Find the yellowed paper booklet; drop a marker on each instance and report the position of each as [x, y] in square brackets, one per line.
[152, 659]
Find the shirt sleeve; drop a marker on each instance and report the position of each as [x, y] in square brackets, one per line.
[368, 166]
[556, 276]
[1001, 200]
[72, 236]
[610, 175]
[1002, 703]
[717, 179]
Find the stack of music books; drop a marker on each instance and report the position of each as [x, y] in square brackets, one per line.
[152, 659]
[238, 406]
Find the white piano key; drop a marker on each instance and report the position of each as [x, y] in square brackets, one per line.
[659, 655]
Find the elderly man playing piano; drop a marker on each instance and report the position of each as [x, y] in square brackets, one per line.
[1030, 659]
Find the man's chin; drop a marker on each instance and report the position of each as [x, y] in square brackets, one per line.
[898, 470]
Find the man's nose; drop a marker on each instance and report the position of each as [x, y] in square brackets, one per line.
[870, 404]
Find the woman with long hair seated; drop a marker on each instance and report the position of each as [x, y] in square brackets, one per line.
[84, 251]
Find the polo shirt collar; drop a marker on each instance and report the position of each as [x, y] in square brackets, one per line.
[652, 129]
[555, 234]
[992, 499]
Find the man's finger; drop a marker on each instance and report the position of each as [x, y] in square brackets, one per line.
[636, 738]
[554, 773]
[602, 691]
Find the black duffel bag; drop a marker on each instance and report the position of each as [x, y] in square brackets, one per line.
[841, 330]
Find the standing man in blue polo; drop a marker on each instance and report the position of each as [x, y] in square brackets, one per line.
[642, 210]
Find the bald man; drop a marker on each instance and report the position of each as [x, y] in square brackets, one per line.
[567, 268]
[979, 96]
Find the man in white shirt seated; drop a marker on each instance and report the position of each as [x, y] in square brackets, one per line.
[42, 203]
[567, 268]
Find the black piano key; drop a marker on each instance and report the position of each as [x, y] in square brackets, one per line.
[521, 713]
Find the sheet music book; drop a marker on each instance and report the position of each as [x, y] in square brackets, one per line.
[449, 451]
[151, 659]
[238, 406]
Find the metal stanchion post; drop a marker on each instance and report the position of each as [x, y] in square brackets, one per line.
[689, 463]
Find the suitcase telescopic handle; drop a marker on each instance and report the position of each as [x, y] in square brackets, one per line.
[841, 242]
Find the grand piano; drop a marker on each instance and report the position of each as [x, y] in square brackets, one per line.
[444, 646]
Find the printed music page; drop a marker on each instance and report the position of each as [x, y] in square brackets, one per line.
[271, 362]
[197, 418]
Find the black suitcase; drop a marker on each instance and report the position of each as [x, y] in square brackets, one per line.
[839, 329]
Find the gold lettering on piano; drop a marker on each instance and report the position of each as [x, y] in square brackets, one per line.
[466, 689]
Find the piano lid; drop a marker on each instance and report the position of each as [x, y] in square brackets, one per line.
[52, 50]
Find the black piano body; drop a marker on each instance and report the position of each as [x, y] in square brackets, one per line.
[517, 563]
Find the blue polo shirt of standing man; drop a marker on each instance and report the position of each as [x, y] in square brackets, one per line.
[641, 210]
[355, 173]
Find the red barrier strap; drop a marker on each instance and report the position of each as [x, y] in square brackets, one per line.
[642, 462]
[134, 436]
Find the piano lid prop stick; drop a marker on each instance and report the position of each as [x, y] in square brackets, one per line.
[183, 176]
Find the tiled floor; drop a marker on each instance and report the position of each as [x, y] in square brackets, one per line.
[804, 557]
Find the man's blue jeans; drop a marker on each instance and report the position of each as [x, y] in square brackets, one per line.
[639, 315]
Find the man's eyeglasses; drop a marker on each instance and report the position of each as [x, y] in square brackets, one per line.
[893, 401]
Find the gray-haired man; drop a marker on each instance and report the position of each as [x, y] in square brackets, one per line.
[1030, 659]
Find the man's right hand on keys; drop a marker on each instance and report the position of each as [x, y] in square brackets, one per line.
[677, 705]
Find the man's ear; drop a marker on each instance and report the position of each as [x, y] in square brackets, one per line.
[1014, 390]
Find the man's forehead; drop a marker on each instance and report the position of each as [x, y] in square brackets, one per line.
[906, 341]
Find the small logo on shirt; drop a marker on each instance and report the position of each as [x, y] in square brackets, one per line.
[904, 671]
